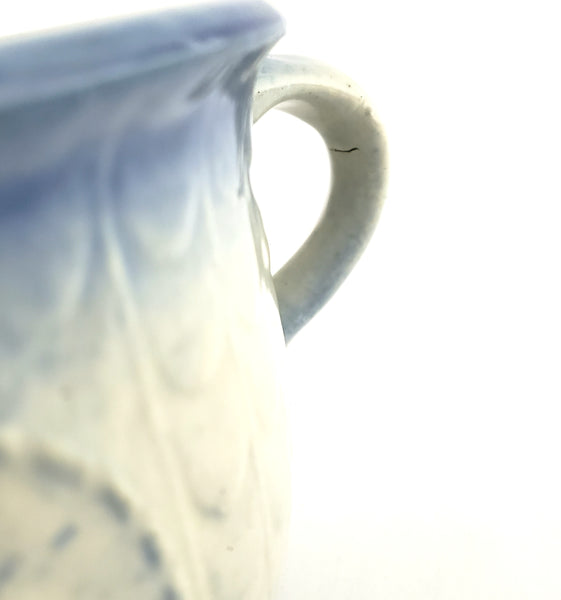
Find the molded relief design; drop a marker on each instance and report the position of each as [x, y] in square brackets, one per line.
[143, 448]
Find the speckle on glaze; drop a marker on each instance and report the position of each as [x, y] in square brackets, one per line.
[3, 458]
[170, 594]
[150, 551]
[214, 513]
[8, 568]
[55, 471]
[64, 536]
[114, 503]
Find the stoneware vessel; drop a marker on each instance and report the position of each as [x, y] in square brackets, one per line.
[143, 442]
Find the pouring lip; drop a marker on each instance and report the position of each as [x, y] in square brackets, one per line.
[39, 65]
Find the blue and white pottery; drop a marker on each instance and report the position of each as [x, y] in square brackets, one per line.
[143, 439]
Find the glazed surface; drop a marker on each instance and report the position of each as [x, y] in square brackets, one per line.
[141, 346]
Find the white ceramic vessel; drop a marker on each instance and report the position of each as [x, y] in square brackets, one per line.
[143, 440]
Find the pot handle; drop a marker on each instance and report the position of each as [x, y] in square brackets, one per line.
[335, 106]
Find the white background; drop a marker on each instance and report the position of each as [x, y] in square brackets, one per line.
[424, 398]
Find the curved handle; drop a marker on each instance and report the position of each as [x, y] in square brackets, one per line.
[339, 110]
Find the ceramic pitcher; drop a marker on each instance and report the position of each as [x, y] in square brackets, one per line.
[143, 440]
